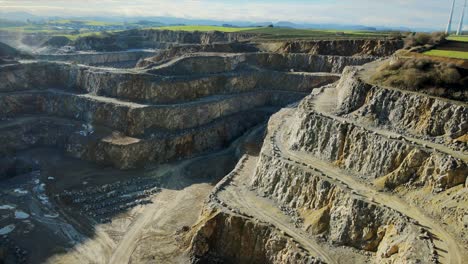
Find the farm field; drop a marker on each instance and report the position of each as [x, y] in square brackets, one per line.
[279, 33]
[458, 38]
[448, 53]
[284, 33]
[203, 28]
[74, 29]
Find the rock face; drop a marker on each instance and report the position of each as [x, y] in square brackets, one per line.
[416, 113]
[129, 118]
[148, 88]
[353, 173]
[177, 51]
[360, 47]
[127, 59]
[357, 147]
[330, 210]
[358, 166]
[227, 238]
[205, 63]
[155, 39]
[349, 146]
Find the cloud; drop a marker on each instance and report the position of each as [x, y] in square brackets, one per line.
[415, 13]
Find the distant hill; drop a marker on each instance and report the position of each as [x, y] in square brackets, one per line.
[19, 16]
[10, 23]
[165, 21]
[287, 24]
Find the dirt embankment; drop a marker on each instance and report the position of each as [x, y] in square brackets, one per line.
[370, 47]
[177, 51]
[137, 39]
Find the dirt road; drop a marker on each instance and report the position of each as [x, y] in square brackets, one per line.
[171, 209]
[238, 196]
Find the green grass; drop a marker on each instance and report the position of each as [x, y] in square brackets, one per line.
[265, 33]
[75, 36]
[287, 33]
[30, 28]
[448, 54]
[84, 22]
[283, 33]
[202, 28]
[458, 38]
[51, 27]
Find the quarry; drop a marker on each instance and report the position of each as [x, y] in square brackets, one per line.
[159, 146]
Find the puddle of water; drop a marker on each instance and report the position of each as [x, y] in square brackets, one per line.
[21, 215]
[20, 191]
[7, 229]
[55, 215]
[44, 199]
[7, 207]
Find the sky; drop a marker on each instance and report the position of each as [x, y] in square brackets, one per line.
[410, 13]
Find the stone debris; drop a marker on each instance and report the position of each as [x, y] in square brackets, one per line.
[7, 229]
[102, 202]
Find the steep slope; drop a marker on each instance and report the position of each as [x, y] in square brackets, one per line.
[130, 118]
[345, 173]
[113, 165]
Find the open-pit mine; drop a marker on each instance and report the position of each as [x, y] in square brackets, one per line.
[153, 146]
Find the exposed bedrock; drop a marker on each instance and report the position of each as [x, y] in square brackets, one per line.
[142, 87]
[372, 47]
[133, 39]
[109, 147]
[129, 118]
[124, 59]
[177, 51]
[369, 47]
[137, 119]
[373, 155]
[332, 211]
[222, 237]
[203, 63]
[359, 142]
[162, 118]
[413, 112]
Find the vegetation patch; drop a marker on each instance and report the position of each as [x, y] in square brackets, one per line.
[57, 41]
[283, 33]
[448, 53]
[458, 38]
[307, 34]
[423, 74]
[203, 28]
[83, 22]
[422, 39]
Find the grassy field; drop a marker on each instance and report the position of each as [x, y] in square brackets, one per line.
[448, 54]
[458, 38]
[29, 29]
[287, 33]
[284, 33]
[85, 22]
[75, 36]
[202, 28]
[264, 33]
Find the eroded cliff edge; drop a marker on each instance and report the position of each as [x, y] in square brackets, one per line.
[379, 171]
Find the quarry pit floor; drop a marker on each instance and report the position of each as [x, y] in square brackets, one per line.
[53, 229]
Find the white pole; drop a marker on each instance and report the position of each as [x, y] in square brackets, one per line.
[460, 26]
[449, 25]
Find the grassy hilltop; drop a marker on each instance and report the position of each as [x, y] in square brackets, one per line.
[78, 28]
